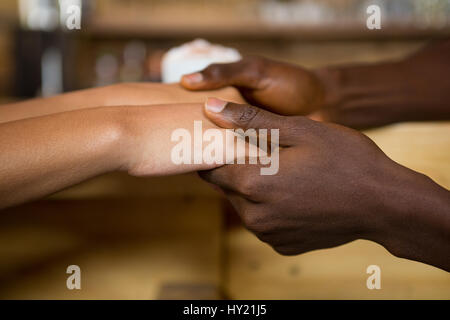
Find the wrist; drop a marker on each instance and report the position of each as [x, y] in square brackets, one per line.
[364, 96]
[412, 219]
[128, 120]
[116, 140]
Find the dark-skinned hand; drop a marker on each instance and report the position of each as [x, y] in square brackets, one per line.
[276, 86]
[359, 96]
[334, 185]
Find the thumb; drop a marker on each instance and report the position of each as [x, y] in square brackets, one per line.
[233, 115]
[215, 76]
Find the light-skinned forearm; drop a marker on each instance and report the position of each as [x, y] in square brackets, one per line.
[46, 154]
[114, 95]
[42, 155]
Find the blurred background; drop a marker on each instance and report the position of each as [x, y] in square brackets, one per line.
[174, 237]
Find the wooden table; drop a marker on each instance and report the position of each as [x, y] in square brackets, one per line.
[131, 239]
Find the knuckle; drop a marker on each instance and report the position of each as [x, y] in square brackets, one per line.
[262, 229]
[286, 250]
[213, 71]
[255, 69]
[247, 186]
[251, 220]
[257, 63]
[246, 116]
[256, 222]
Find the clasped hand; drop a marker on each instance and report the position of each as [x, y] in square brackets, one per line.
[334, 185]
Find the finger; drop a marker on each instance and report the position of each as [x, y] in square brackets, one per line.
[233, 115]
[225, 177]
[220, 75]
[238, 202]
[212, 185]
[240, 179]
[317, 116]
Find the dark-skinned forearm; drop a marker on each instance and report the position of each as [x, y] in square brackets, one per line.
[414, 89]
[416, 219]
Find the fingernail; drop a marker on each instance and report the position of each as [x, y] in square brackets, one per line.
[215, 105]
[194, 77]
